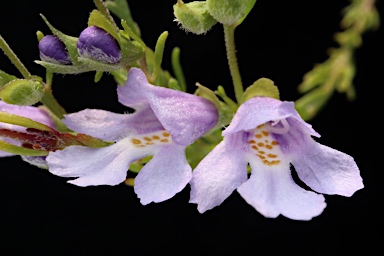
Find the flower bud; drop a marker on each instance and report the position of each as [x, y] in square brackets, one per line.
[227, 12]
[22, 92]
[95, 43]
[194, 16]
[53, 50]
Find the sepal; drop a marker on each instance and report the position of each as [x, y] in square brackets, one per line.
[229, 12]
[262, 87]
[22, 92]
[194, 16]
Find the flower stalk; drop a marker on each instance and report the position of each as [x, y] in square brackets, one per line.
[229, 36]
[13, 58]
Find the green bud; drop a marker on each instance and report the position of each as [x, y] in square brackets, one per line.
[5, 78]
[193, 17]
[22, 92]
[262, 87]
[228, 12]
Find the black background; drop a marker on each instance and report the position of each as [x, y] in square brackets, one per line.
[43, 215]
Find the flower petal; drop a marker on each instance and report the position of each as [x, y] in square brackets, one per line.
[272, 192]
[328, 171]
[185, 116]
[95, 166]
[259, 110]
[215, 178]
[166, 174]
[111, 126]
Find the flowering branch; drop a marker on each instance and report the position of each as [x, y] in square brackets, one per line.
[338, 71]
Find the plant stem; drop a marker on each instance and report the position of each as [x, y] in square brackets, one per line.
[229, 36]
[13, 58]
[49, 100]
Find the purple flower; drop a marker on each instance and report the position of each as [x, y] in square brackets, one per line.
[95, 43]
[34, 113]
[270, 135]
[53, 50]
[165, 122]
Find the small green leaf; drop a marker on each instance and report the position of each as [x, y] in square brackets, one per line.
[248, 9]
[159, 51]
[96, 18]
[98, 76]
[262, 87]
[64, 69]
[121, 9]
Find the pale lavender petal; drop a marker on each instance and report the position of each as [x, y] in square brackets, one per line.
[215, 178]
[166, 174]
[296, 140]
[95, 166]
[39, 161]
[272, 191]
[132, 94]
[111, 126]
[259, 110]
[34, 113]
[327, 170]
[187, 117]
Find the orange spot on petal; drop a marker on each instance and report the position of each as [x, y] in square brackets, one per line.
[136, 141]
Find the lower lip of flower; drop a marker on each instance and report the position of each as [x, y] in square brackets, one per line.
[151, 139]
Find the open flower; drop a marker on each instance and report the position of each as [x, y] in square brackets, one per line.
[165, 122]
[34, 113]
[270, 135]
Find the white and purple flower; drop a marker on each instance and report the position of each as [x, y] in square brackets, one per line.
[270, 135]
[164, 123]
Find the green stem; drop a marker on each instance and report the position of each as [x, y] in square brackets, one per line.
[51, 103]
[22, 121]
[49, 100]
[13, 58]
[229, 36]
[7, 147]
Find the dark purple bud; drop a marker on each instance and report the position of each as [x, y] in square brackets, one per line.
[95, 43]
[53, 50]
